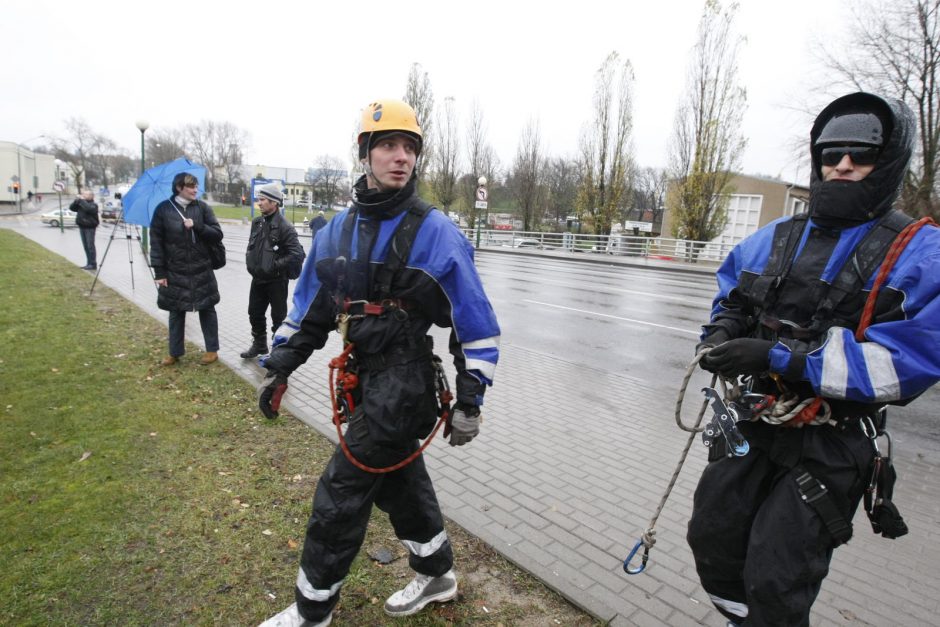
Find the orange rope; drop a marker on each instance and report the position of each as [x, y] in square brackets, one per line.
[897, 247]
[349, 382]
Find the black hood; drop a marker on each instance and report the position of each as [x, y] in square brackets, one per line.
[382, 205]
[841, 203]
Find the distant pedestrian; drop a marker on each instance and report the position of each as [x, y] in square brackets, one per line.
[181, 231]
[318, 222]
[274, 256]
[87, 221]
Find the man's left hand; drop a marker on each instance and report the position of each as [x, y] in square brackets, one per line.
[738, 356]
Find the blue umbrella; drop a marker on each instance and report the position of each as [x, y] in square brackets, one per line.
[156, 185]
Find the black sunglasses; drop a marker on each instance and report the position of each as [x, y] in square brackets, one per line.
[860, 155]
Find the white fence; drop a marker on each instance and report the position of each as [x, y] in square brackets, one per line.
[663, 248]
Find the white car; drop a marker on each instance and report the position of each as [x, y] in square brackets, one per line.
[52, 218]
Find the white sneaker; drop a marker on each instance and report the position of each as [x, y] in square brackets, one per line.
[423, 589]
[292, 618]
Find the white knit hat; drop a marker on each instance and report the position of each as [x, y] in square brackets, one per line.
[272, 191]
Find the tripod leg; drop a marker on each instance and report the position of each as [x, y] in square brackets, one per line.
[103, 257]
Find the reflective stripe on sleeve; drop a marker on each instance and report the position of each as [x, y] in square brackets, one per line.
[881, 372]
[835, 370]
[424, 549]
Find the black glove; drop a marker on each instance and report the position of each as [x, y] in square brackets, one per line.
[739, 356]
[464, 424]
[270, 392]
[718, 335]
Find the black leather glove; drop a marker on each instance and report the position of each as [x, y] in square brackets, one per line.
[464, 424]
[270, 392]
[738, 356]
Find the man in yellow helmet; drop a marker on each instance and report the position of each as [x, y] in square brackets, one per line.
[383, 272]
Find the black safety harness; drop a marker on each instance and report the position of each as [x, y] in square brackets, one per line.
[832, 310]
[344, 369]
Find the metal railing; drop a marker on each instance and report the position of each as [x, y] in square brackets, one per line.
[662, 248]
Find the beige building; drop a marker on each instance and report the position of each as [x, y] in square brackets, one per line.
[755, 202]
[34, 172]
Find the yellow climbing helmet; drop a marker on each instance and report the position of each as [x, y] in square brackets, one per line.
[383, 116]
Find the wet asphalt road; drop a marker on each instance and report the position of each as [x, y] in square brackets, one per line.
[636, 321]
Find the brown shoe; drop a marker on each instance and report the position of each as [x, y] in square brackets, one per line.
[169, 360]
[208, 358]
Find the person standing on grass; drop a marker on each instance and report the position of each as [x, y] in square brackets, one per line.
[383, 272]
[181, 230]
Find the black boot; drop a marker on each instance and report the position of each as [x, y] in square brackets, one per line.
[259, 346]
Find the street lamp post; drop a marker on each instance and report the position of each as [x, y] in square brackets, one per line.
[142, 126]
[58, 164]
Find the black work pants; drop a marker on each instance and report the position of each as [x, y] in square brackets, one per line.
[341, 508]
[260, 296]
[761, 552]
[88, 243]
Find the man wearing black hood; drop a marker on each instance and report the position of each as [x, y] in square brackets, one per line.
[382, 272]
[789, 318]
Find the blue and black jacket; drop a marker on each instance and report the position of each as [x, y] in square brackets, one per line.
[793, 302]
[438, 284]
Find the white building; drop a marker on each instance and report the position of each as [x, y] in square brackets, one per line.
[35, 172]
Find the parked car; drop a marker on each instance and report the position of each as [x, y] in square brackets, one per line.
[53, 218]
[527, 242]
[112, 210]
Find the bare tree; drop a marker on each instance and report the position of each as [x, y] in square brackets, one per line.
[650, 188]
[707, 143]
[165, 145]
[895, 51]
[562, 182]
[527, 176]
[84, 151]
[445, 155]
[419, 95]
[480, 158]
[219, 147]
[605, 145]
[326, 178]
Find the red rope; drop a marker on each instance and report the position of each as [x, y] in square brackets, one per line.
[350, 381]
[897, 247]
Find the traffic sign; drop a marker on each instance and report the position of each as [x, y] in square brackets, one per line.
[104, 192]
[58, 186]
[480, 204]
[481, 194]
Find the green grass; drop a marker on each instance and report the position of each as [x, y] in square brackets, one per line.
[134, 494]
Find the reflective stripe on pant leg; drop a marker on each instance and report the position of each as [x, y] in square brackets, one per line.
[732, 607]
[309, 592]
[426, 549]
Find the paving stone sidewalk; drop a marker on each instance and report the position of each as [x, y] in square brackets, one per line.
[563, 484]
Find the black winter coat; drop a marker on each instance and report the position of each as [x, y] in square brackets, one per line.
[181, 256]
[273, 249]
[87, 213]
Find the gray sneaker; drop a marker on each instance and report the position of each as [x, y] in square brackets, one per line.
[423, 589]
[290, 617]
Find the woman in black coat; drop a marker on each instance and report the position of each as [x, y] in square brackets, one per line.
[181, 231]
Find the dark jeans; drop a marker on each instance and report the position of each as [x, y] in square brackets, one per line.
[273, 293]
[209, 322]
[88, 242]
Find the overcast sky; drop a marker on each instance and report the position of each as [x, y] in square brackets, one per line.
[296, 74]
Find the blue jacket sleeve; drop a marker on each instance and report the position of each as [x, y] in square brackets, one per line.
[898, 359]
